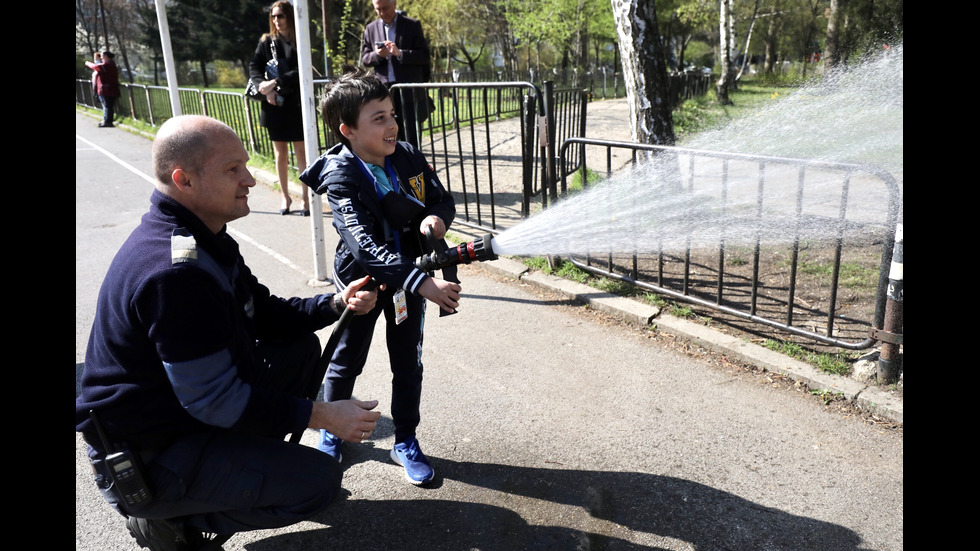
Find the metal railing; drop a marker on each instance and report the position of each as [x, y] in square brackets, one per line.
[766, 283]
[485, 140]
[495, 147]
[602, 83]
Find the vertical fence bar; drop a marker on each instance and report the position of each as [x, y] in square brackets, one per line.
[835, 279]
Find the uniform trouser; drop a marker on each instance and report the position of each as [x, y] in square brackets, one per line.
[224, 482]
[404, 342]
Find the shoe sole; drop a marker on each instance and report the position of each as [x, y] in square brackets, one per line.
[394, 457]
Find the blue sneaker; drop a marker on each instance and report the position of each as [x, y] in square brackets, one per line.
[330, 445]
[417, 467]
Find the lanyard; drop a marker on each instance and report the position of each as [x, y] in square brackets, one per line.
[381, 191]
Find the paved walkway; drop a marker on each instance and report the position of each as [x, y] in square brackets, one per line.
[549, 427]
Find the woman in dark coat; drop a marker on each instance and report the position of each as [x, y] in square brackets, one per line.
[281, 111]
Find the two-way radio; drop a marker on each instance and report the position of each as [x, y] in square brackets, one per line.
[125, 470]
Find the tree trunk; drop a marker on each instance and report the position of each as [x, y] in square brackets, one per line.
[770, 40]
[748, 43]
[204, 72]
[644, 72]
[726, 32]
[832, 49]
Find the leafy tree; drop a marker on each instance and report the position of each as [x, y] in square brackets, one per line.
[205, 30]
[88, 27]
[566, 25]
[685, 20]
[456, 30]
[857, 27]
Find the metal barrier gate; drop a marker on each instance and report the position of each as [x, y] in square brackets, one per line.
[769, 285]
[485, 140]
[489, 144]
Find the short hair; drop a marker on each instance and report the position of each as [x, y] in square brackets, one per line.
[343, 98]
[184, 142]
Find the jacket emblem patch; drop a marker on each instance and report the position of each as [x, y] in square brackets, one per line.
[183, 248]
[417, 184]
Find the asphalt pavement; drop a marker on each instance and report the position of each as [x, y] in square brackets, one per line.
[554, 417]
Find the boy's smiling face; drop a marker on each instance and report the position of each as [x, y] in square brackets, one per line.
[376, 133]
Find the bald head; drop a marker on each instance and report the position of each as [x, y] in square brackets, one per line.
[185, 142]
[201, 163]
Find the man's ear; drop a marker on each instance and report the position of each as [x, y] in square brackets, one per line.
[181, 179]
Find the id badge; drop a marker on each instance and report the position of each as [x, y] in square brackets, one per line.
[401, 306]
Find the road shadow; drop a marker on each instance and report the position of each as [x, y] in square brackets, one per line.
[653, 507]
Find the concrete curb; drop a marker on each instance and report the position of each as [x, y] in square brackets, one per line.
[867, 397]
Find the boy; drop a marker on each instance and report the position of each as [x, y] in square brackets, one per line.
[384, 196]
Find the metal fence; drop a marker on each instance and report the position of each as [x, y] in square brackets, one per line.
[486, 140]
[796, 284]
[495, 145]
[603, 83]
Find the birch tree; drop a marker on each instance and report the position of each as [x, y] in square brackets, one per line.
[726, 42]
[644, 71]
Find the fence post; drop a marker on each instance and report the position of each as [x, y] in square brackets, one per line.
[890, 361]
[129, 97]
[529, 114]
[548, 143]
[149, 105]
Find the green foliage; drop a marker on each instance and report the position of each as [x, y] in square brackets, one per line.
[837, 364]
[229, 76]
[338, 55]
[538, 263]
[682, 312]
[706, 113]
[567, 270]
[850, 275]
[575, 184]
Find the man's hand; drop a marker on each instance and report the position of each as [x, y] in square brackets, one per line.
[351, 420]
[361, 302]
[437, 225]
[390, 49]
[442, 292]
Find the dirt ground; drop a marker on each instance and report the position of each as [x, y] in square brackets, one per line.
[854, 304]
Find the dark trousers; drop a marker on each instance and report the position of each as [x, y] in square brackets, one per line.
[411, 110]
[404, 343]
[108, 109]
[224, 482]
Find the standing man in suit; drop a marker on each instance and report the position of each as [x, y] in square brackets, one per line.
[395, 47]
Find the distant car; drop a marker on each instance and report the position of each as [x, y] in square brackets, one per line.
[696, 69]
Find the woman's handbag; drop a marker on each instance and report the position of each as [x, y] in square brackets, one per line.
[252, 92]
[271, 72]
